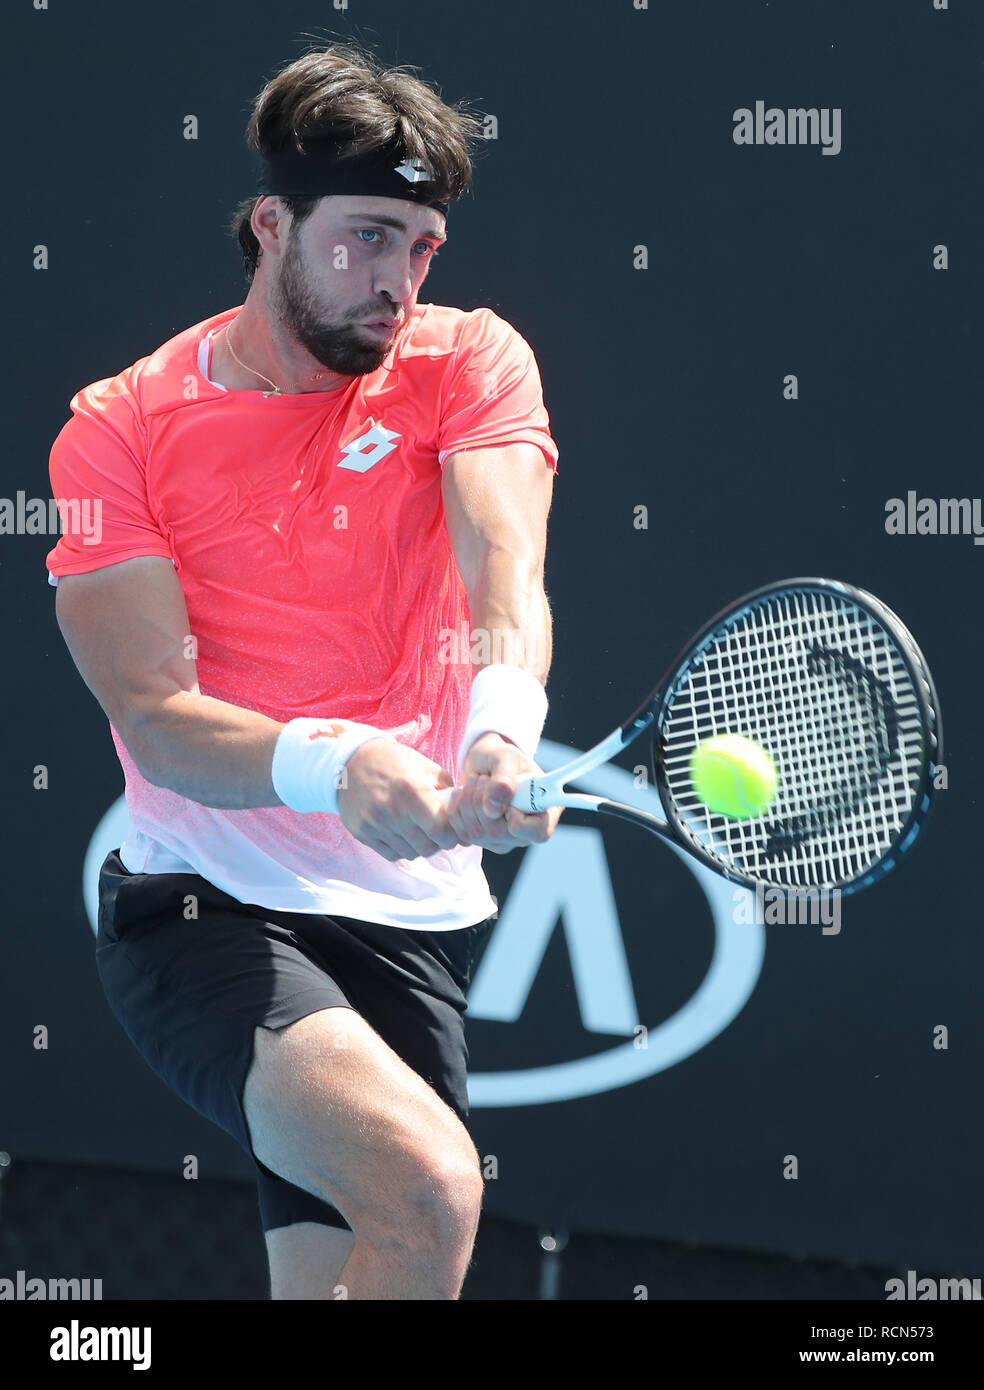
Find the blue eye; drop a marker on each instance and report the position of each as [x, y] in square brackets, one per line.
[372, 231]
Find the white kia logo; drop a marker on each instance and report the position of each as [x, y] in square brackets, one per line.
[568, 876]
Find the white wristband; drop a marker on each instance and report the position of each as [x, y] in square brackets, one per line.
[308, 759]
[506, 700]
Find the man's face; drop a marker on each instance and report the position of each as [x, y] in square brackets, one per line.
[353, 260]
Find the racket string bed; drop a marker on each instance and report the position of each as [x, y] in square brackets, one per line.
[819, 683]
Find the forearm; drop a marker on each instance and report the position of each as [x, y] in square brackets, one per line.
[511, 615]
[205, 749]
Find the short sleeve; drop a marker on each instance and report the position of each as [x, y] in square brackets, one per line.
[98, 481]
[494, 394]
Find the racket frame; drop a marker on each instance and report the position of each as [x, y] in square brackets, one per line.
[537, 793]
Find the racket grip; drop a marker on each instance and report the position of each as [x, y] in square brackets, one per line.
[521, 796]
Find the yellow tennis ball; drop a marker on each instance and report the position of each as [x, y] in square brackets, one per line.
[733, 776]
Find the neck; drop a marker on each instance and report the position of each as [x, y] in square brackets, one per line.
[268, 356]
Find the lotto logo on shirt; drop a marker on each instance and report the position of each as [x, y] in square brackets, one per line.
[369, 448]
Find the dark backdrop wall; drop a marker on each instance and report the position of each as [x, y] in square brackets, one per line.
[669, 281]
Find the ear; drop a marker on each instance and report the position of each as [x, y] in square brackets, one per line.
[270, 222]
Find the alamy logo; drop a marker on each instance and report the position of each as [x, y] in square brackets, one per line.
[366, 451]
[932, 516]
[913, 1287]
[50, 516]
[29, 1289]
[75, 1343]
[795, 126]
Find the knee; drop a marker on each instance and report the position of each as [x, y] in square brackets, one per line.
[451, 1190]
[430, 1203]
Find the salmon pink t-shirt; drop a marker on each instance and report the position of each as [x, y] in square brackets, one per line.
[308, 535]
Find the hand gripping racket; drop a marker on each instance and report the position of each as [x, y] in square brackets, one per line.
[831, 684]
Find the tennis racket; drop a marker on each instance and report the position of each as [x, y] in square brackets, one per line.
[830, 683]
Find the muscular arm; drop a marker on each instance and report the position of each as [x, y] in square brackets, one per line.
[495, 504]
[127, 629]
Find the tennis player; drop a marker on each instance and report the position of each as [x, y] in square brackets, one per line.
[316, 600]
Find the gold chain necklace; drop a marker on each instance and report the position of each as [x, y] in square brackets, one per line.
[276, 389]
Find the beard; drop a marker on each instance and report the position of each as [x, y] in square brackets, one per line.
[341, 347]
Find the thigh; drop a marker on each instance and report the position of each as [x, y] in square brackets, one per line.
[410, 988]
[334, 1110]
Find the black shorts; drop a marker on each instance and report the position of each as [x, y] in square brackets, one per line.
[190, 990]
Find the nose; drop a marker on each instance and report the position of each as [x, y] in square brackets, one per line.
[393, 276]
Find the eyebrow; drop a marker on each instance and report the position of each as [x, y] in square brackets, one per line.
[383, 221]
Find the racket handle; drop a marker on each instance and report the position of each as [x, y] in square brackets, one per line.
[521, 796]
